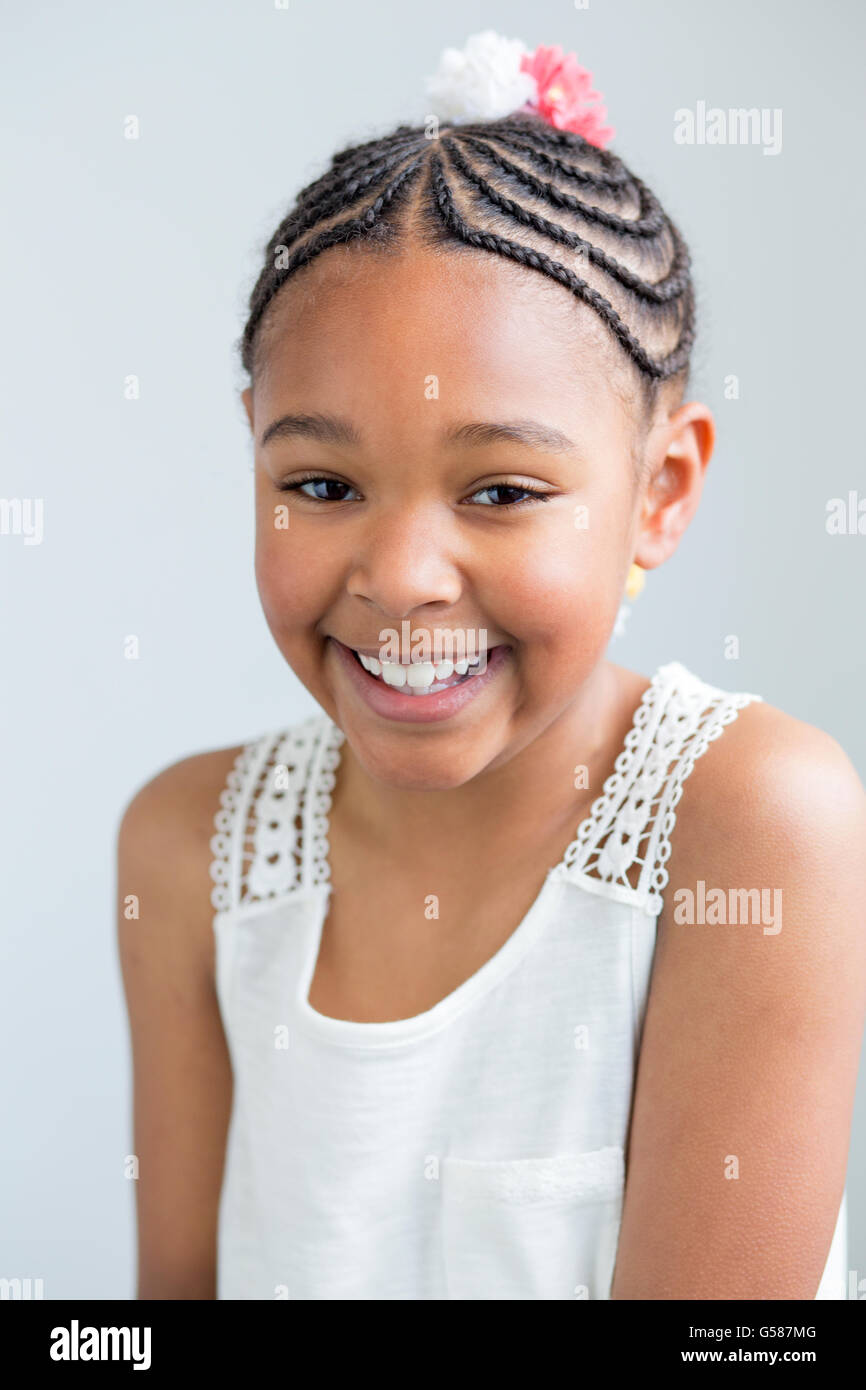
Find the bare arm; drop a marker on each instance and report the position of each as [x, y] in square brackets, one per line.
[181, 1070]
[752, 1037]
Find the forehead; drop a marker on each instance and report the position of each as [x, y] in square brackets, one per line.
[367, 327]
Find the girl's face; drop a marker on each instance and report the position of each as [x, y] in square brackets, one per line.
[397, 353]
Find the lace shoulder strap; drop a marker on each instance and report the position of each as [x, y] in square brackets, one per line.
[621, 849]
[272, 826]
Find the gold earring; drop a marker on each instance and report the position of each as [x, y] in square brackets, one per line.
[635, 582]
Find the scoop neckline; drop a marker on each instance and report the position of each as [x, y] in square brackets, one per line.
[391, 1032]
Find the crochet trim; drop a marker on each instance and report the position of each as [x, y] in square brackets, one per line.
[272, 825]
[630, 824]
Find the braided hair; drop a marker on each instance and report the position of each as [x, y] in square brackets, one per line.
[517, 187]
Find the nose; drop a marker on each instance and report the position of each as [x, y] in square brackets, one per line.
[403, 560]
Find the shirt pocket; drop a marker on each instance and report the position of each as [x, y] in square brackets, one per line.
[532, 1227]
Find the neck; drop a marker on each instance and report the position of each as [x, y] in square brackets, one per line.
[528, 795]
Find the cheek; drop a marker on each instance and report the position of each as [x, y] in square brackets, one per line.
[289, 576]
[561, 595]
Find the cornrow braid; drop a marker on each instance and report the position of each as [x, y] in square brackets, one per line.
[542, 198]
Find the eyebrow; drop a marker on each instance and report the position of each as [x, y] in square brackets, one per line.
[529, 432]
[330, 429]
[327, 428]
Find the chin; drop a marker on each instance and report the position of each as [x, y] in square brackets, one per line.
[422, 760]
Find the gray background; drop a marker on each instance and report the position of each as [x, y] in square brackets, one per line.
[127, 257]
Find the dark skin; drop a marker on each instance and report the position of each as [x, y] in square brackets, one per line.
[409, 541]
[417, 547]
[748, 1038]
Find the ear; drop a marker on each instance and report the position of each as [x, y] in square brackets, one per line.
[676, 457]
[247, 398]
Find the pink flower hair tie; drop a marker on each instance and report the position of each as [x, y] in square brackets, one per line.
[492, 76]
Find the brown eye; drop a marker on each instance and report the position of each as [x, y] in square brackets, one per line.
[300, 484]
[508, 497]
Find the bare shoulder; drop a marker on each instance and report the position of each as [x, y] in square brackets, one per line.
[773, 807]
[754, 1022]
[777, 754]
[164, 842]
[182, 796]
[182, 1078]
[770, 787]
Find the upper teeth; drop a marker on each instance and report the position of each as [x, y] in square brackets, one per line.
[419, 675]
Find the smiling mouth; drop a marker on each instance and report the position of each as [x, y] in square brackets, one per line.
[422, 678]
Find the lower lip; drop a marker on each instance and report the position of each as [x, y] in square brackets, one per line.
[390, 702]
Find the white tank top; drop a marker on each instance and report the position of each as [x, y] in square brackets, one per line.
[476, 1150]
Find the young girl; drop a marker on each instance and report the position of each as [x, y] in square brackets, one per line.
[529, 976]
